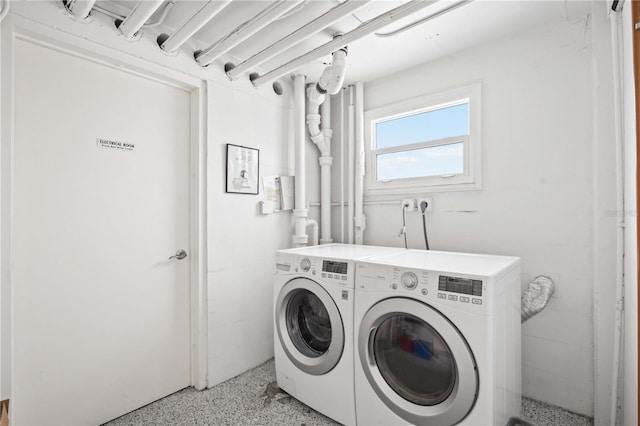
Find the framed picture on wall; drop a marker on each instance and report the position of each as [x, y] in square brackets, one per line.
[243, 167]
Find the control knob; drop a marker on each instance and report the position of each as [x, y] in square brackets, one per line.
[409, 280]
[305, 264]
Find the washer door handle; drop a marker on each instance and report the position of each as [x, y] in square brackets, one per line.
[180, 254]
[370, 356]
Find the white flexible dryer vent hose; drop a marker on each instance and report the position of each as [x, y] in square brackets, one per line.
[535, 298]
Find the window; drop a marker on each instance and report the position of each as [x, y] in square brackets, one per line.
[427, 144]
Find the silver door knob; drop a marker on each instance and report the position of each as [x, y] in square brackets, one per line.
[180, 254]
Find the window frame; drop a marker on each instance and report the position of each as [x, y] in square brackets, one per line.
[470, 179]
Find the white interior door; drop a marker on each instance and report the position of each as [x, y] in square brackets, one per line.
[101, 316]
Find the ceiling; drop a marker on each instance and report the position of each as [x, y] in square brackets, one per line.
[373, 56]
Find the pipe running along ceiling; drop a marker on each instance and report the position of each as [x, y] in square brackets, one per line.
[272, 39]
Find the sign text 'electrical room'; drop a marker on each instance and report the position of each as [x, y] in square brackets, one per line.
[118, 146]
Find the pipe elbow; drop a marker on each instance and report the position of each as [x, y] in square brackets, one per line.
[332, 77]
[316, 98]
[337, 72]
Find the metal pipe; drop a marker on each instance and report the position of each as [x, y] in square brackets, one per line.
[245, 30]
[425, 19]
[80, 8]
[198, 20]
[297, 36]
[138, 16]
[339, 42]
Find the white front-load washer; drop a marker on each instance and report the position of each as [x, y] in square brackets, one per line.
[437, 339]
[313, 328]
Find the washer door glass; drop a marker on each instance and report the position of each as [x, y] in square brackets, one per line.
[408, 350]
[308, 323]
[309, 326]
[417, 362]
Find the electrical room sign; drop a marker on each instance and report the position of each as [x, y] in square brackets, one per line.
[115, 145]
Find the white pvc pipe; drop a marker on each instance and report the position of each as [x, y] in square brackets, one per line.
[5, 9]
[360, 220]
[332, 77]
[300, 211]
[342, 153]
[325, 174]
[350, 166]
[80, 8]
[425, 19]
[314, 231]
[138, 16]
[246, 30]
[619, 144]
[198, 20]
[297, 36]
[339, 42]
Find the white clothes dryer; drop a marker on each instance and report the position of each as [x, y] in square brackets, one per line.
[437, 339]
[313, 325]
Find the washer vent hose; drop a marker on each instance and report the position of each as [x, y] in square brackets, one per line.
[535, 298]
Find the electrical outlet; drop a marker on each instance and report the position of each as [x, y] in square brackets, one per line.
[411, 203]
[429, 202]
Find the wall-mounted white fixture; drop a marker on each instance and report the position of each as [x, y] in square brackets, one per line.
[138, 16]
[198, 20]
[428, 201]
[79, 8]
[409, 205]
[244, 31]
[337, 43]
[297, 36]
[415, 204]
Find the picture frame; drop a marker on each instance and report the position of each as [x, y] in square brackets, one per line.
[243, 170]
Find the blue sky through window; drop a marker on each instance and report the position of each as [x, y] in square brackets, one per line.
[426, 126]
[423, 127]
[424, 162]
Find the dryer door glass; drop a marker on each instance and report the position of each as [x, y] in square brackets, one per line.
[308, 323]
[414, 360]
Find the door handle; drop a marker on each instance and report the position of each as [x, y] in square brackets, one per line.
[180, 254]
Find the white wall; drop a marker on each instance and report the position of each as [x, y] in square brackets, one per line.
[542, 157]
[630, 338]
[242, 242]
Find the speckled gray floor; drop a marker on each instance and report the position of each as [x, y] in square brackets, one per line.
[252, 399]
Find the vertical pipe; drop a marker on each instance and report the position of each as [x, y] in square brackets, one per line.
[325, 174]
[351, 166]
[300, 208]
[360, 220]
[619, 143]
[342, 153]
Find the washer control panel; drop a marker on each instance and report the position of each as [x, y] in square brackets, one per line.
[459, 292]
